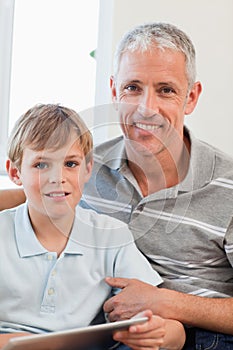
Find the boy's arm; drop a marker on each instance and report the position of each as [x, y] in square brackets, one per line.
[11, 198]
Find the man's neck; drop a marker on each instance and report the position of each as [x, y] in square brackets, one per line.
[156, 172]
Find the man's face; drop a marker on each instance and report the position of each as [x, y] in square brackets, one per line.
[151, 92]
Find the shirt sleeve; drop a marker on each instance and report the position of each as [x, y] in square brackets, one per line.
[228, 246]
[131, 263]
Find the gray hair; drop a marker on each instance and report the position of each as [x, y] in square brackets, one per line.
[160, 35]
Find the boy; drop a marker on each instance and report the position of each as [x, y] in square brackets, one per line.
[56, 255]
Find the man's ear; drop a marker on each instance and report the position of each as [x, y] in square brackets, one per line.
[13, 172]
[113, 89]
[193, 97]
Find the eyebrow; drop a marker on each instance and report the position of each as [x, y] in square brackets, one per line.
[137, 81]
[72, 156]
[133, 81]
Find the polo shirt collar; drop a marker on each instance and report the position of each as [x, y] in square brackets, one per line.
[26, 240]
[27, 243]
[201, 166]
[113, 156]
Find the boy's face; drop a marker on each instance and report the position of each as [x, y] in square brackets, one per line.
[53, 180]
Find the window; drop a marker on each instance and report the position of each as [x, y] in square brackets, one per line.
[6, 26]
[50, 61]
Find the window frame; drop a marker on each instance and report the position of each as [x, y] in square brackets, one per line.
[6, 40]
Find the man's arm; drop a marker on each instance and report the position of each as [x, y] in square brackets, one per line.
[5, 337]
[214, 314]
[11, 198]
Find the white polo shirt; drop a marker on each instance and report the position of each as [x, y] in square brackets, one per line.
[42, 292]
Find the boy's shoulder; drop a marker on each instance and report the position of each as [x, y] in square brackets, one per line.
[7, 222]
[8, 214]
[103, 230]
[100, 220]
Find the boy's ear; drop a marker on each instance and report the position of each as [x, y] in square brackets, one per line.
[13, 172]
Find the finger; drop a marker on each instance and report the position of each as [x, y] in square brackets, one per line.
[144, 326]
[145, 313]
[152, 334]
[150, 341]
[109, 305]
[117, 282]
[140, 343]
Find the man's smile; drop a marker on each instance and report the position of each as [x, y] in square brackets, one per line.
[149, 127]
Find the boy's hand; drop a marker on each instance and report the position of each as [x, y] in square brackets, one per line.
[149, 335]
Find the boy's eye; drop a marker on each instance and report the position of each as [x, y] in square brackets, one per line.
[41, 165]
[71, 164]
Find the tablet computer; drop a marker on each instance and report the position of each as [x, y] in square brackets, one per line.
[83, 338]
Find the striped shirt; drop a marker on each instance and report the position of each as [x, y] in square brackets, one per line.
[186, 231]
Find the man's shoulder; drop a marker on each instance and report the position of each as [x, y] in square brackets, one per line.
[223, 162]
[105, 148]
[210, 158]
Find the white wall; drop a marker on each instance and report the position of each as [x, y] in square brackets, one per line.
[209, 23]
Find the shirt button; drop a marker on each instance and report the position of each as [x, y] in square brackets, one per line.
[51, 291]
[54, 272]
[140, 207]
[50, 257]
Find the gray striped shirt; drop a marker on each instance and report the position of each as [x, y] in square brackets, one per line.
[186, 231]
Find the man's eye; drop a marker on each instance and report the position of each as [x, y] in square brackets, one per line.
[71, 164]
[167, 90]
[131, 88]
[41, 165]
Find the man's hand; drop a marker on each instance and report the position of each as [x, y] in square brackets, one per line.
[135, 297]
[214, 314]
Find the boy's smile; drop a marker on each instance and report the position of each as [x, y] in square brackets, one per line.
[57, 195]
[53, 180]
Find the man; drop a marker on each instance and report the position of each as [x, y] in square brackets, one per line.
[174, 191]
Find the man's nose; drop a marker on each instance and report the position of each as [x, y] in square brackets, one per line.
[148, 105]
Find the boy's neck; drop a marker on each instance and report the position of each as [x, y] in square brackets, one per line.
[53, 234]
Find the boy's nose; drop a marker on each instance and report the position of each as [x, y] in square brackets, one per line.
[57, 177]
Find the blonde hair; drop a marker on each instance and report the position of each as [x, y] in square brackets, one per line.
[47, 126]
